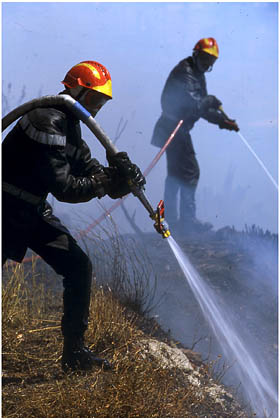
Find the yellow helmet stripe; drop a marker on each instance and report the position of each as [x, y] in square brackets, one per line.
[91, 67]
[106, 89]
[212, 51]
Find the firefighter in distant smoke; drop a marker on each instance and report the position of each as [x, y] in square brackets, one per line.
[185, 97]
[44, 153]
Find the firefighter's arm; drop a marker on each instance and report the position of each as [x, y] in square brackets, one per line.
[211, 111]
[216, 116]
[85, 165]
[76, 189]
[199, 106]
[192, 96]
[126, 168]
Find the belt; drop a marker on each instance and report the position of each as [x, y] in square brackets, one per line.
[21, 194]
[186, 124]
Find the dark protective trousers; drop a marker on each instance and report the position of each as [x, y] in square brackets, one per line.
[181, 181]
[182, 171]
[63, 254]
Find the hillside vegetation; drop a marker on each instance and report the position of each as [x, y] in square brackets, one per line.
[140, 384]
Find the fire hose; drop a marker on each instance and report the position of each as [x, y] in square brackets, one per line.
[83, 115]
[145, 173]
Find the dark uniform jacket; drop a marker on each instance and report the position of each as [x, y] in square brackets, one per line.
[181, 99]
[44, 153]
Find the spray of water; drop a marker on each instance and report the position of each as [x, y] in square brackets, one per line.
[254, 379]
[259, 160]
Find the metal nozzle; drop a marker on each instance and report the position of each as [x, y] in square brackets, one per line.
[160, 224]
[158, 215]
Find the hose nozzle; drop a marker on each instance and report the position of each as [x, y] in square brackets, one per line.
[157, 215]
[160, 224]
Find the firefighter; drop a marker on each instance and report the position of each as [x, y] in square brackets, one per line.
[185, 97]
[44, 153]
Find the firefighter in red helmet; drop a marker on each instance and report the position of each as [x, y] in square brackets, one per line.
[185, 97]
[45, 153]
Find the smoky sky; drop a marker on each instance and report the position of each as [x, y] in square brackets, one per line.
[140, 43]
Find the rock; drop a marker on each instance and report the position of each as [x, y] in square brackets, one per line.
[193, 356]
[168, 357]
[183, 359]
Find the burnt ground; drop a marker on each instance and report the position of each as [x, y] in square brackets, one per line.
[241, 268]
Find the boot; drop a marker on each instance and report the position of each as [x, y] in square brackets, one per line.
[196, 226]
[188, 221]
[78, 357]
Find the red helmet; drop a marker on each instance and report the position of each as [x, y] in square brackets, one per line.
[208, 45]
[91, 75]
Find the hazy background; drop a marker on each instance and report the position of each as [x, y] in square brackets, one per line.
[140, 43]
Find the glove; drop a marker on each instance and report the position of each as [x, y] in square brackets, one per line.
[116, 185]
[210, 101]
[94, 167]
[127, 169]
[108, 181]
[229, 125]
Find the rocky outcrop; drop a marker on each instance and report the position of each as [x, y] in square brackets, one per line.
[195, 373]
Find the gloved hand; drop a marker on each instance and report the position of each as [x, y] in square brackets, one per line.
[94, 167]
[229, 124]
[109, 181]
[126, 168]
[210, 101]
[117, 185]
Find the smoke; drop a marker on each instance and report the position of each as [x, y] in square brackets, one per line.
[251, 367]
[230, 314]
[140, 43]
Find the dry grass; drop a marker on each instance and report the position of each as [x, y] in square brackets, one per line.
[123, 266]
[35, 386]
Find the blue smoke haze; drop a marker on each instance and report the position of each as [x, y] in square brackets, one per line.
[140, 43]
